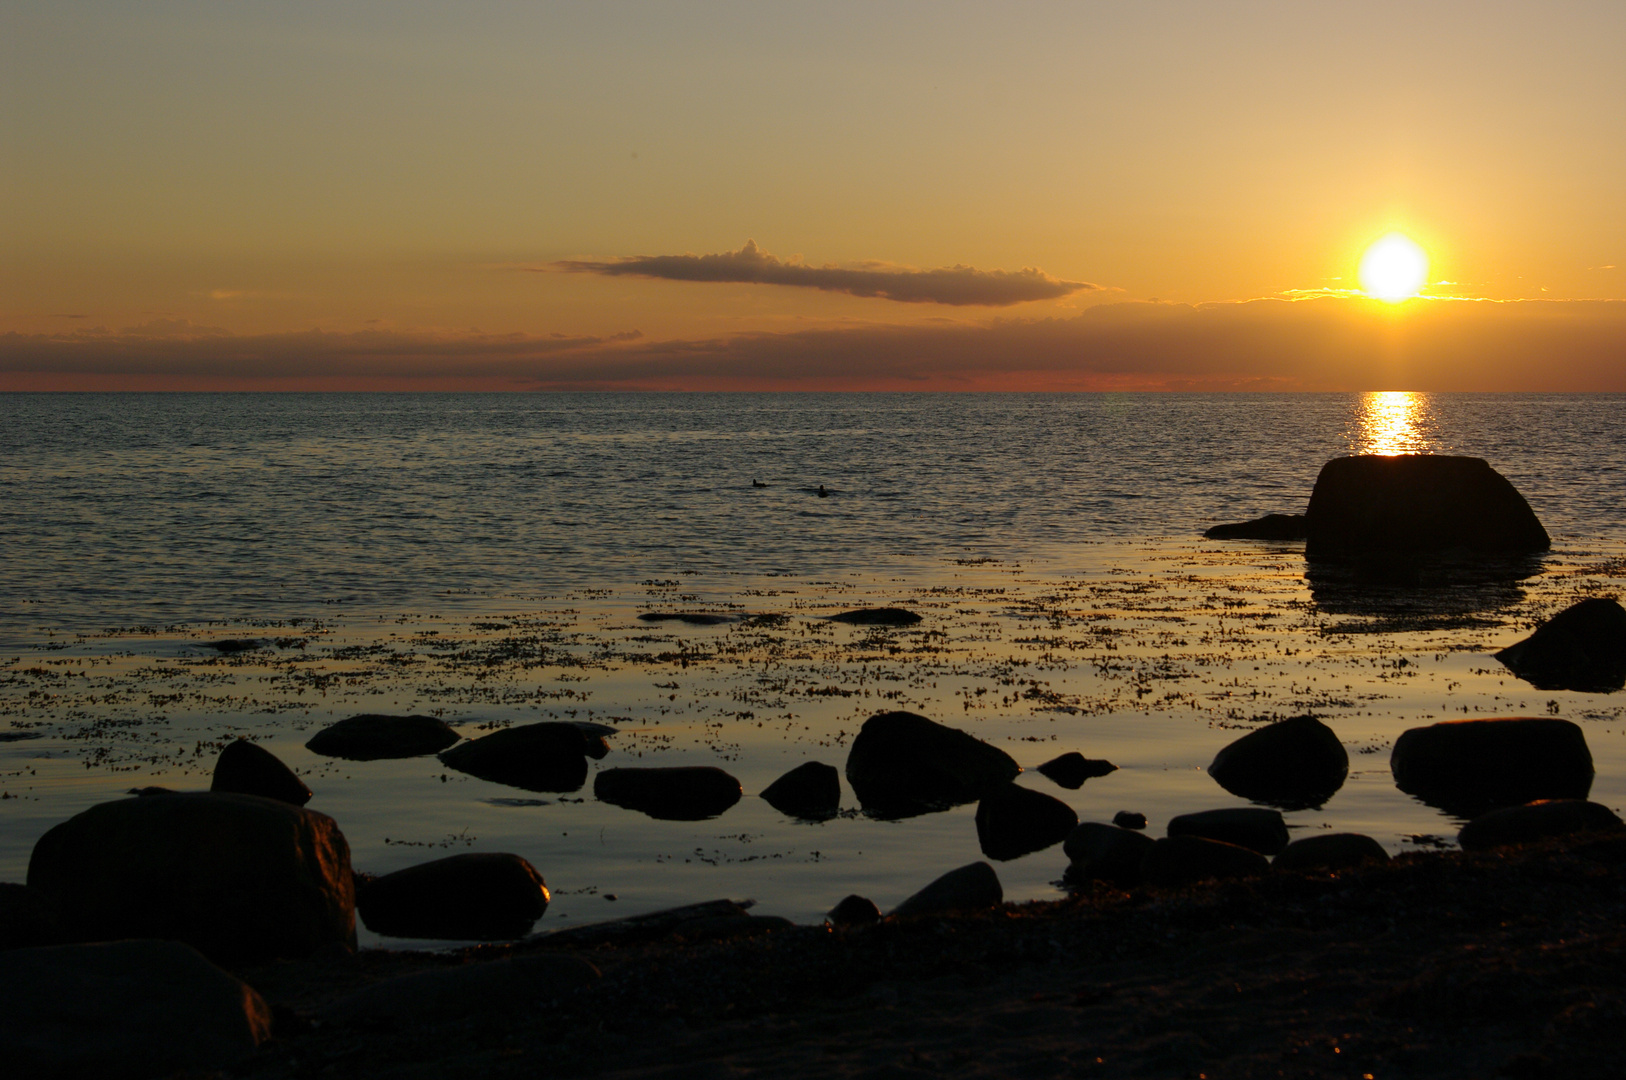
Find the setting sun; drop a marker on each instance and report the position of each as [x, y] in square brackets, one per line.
[1394, 269]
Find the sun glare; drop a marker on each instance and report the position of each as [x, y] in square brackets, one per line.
[1394, 269]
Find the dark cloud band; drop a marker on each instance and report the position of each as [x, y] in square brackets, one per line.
[955, 285]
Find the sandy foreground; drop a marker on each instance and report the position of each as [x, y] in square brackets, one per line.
[1507, 963]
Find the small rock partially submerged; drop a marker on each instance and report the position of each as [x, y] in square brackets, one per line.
[1251, 827]
[1098, 852]
[1581, 648]
[1070, 770]
[246, 768]
[1013, 821]
[877, 616]
[1467, 767]
[1536, 821]
[854, 910]
[1129, 819]
[902, 764]
[372, 737]
[1330, 851]
[679, 793]
[548, 756]
[966, 889]
[693, 618]
[484, 896]
[1185, 859]
[1294, 764]
[1269, 527]
[812, 790]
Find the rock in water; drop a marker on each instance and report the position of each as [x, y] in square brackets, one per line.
[1293, 764]
[1583, 648]
[812, 790]
[966, 889]
[245, 768]
[1467, 767]
[484, 896]
[550, 756]
[854, 910]
[1129, 819]
[1251, 827]
[124, 1009]
[902, 764]
[877, 616]
[1269, 527]
[241, 878]
[682, 793]
[1536, 821]
[1330, 851]
[1013, 821]
[1185, 860]
[371, 737]
[1072, 769]
[1414, 503]
[1098, 852]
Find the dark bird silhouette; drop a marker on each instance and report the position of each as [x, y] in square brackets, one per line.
[758, 483]
[823, 494]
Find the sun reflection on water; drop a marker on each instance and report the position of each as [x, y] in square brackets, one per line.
[1392, 422]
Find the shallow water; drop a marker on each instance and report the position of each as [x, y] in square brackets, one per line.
[484, 559]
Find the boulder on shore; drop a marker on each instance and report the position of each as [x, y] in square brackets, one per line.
[877, 616]
[1070, 770]
[678, 793]
[548, 756]
[811, 790]
[1013, 821]
[1330, 851]
[1582, 648]
[371, 737]
[479, 895]
[966, 889]
[1536, 821]
[1467, 767]
[245, 768]
[124, 1010]
[1252, 827]
[1184, 860]
[902, 764]
[854, 910]
[1269, 527]
[1416, 503]
[1098, 852]
[241, 878]
[1294, 764]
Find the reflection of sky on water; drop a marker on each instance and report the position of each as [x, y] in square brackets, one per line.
[1394, 422]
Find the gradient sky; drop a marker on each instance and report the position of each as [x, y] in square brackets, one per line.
[395, 195]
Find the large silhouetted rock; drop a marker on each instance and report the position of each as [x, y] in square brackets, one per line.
[680, 793]
[1330, 851]
[1251, 827]
[1013, 820]
[242, 878]
[480, 895]
[123, 1010]
[1269, 527]
[1583, 647]
[1416, 503]
[1098, 852]
[1536, 821]
[1184, 860]
[812, 790]
[245, 768]
[1467, 767]
[902, 764]
[966, 889]
[550, 756]
[1292, 764]
[371, 737]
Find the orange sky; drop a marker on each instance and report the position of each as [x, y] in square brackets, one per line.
[864, 196]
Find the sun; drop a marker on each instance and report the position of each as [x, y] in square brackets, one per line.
[1394, 268]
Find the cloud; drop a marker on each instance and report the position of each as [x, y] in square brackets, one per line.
[957, 285]
[1324, 344]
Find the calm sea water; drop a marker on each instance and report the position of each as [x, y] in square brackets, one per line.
[483, 557]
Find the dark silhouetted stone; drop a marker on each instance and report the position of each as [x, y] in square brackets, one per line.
[1293, 764]
[26, 918]
[693, 618]
[1269, 527]
[812, 790]
[245, 768]
[1129, 819]
[877, 616]
[1013, 820]
[1582, 648]
[240, 877]
[485, 896]
[1098, 852]
[855, 910]
[1330, 851]
[681, 793]
[966, 889]
[228, 646]
[371, 737]
[1414, 503]
[1184, 860]
[1251, 827]
[124, 1009]
[902, 764]
[1072, 769]
[150, 790]
[550, 756]
[479, 989]
[1467, 767]
[1536, 821]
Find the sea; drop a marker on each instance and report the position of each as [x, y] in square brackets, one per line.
[486, 558]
